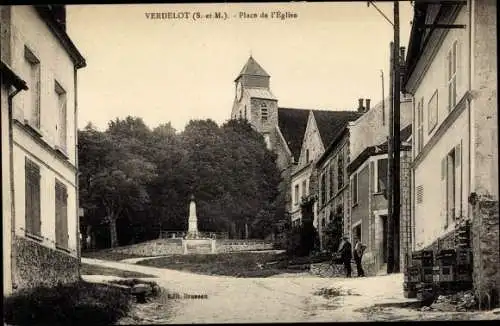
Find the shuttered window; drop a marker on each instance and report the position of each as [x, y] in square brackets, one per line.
[451, 187]
[452, 63]
[340, 171]
[61, 215]
[62, 116]
[263, 112]
[33, 102]
[32, 198]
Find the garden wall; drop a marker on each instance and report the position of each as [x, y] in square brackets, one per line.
[163, 247]
[158, 247]
[229, 245]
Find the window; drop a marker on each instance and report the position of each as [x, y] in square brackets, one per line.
[323, 222]
[354, 189]
[267, 141]
[61, 126]
[307, 156]
[357, 232]
[451, 59]
[32, 197]
[304, 189]
[61, 215]
[340, 171]
[263, 112]
[432, 111]
[323, 189]
[240, 114]
[296, 195]
[450, 174]
[420, 126]
[33, 75]
[245, 112]
[382, 169]
[332, 183]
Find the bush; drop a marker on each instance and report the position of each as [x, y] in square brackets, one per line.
[78, 303]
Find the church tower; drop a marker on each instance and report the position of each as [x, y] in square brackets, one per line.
[254, 100]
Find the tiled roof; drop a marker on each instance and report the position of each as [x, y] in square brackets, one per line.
[260, 92]
[330, 123]
[292, 124]
[253, 68]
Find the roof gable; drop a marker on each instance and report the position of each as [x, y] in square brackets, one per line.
[330, 123]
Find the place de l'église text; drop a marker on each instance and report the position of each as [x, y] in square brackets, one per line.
[220, 15]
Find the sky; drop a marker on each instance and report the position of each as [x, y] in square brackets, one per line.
[165, 69]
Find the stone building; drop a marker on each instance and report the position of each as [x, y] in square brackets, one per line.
[320, 129]
[40, 217]
[368, 175]
[298, 136]
[452, 75]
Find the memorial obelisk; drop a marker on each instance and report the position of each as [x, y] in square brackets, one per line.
[192, 220]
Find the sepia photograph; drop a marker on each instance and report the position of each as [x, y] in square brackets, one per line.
[249, 162]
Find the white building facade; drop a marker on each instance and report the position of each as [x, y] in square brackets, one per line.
[45, 224]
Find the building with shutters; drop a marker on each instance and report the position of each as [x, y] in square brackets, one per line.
[452, 75]
[39, 179]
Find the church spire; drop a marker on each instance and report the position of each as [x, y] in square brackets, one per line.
[252, 68]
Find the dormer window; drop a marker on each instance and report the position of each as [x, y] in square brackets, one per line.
[307, 156]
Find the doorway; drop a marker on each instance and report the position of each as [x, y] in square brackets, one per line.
[384, 238]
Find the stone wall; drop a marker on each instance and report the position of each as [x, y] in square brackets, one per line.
[158, 247]
[223, 246]
[163, 247]
[485, 246]
[39, 265]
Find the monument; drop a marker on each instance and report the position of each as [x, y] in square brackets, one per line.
[192, 232]
[192, 241]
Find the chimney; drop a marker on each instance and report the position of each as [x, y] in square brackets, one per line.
[360, 106]
[367, 100]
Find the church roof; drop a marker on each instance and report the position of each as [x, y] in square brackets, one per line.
[253, 68]
[260, 92]
[293, 123]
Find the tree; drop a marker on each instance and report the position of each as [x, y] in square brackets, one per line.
[113, 175]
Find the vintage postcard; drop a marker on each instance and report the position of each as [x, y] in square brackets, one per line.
[250, 162]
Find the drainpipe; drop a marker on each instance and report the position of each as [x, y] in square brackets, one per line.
[12, 192]
[469, 110]
[77, 173]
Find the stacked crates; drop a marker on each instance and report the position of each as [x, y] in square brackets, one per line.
[424, 260]
[412, 277]
[464, 269]
[446, 263]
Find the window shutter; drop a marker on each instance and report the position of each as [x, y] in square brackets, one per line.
[444, 199]
[458, 173]
[28, 193]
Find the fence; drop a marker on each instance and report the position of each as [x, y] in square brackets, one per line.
[182, 234]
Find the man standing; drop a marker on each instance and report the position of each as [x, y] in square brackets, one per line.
[345, 251]
[359, 249]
